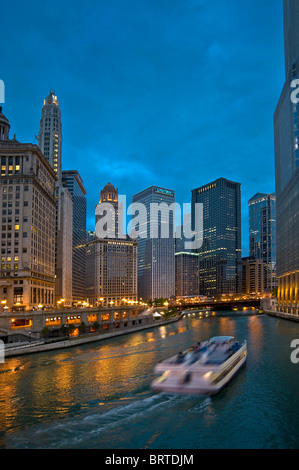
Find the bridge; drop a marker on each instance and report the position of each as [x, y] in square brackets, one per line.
[222, 304]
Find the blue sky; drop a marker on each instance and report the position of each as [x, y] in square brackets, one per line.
[175, 93]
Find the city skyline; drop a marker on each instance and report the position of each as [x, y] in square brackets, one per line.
[141, 108]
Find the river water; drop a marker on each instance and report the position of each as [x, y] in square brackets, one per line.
[98, 396]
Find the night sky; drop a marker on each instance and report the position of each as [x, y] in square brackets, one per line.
[175, 93]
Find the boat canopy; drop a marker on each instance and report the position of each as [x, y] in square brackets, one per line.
[221, 339]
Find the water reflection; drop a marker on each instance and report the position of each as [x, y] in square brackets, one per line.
[102, 391]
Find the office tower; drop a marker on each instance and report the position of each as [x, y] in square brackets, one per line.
[50, 133]
[156, 266]
[286, 131]
[109, 197]
[262, 235]
[186, 274]
[28, 216]
[73, 182]
[50, 143]
[220, 254]
[253, 272]
[111, 271]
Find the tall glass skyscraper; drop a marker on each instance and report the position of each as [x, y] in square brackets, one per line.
[286, 130]
[73, 182]
[220, 261]
[156, 262]
[262, 235]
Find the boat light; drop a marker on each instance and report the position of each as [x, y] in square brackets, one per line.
[207, 375]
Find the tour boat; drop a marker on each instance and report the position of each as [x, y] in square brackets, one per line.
[203, 369]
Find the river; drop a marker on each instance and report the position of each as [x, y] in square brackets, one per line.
[98, 396]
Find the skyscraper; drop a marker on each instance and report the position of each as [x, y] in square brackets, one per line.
[156, 263]
[73, 182]
[262, 235]
[28, 210]
[111, 274]
[50, 143]
[220, 254]
[286, 131]
[109, 198]
[50, 133]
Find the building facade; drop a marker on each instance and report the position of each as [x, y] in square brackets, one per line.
[109, 215]
[156, 262]
[253, 272]
[286, 132]
[50, 133]
[111, 271]
[262, 235]
[50, 143]
[220, 254]
[186, 274]
[72, 181]
[28, 212]
[64, 247]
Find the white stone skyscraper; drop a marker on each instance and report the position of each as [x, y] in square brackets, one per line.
[50, 133]
[50, 143]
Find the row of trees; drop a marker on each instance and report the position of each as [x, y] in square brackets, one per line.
[67, 330]
[157, 302]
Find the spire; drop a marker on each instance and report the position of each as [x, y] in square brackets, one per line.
[4, 127]
[51, 98]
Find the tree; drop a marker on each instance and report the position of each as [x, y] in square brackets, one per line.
[45, 332]
[70, 328]
[82, 327]
[63, 331]
[96, 325]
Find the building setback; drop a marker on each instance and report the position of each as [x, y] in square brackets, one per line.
[156, 263]
[220, 254]
[286, 132]
[28, 211]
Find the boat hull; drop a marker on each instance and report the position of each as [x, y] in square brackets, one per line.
[200, 381]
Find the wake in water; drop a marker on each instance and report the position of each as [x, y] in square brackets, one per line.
[100, 429]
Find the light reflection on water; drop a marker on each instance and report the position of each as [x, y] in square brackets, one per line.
[99, 395]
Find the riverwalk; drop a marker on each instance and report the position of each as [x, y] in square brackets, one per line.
[285, 316]
[42, 346]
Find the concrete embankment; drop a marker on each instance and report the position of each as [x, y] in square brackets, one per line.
[91, 338]
[285, 316]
